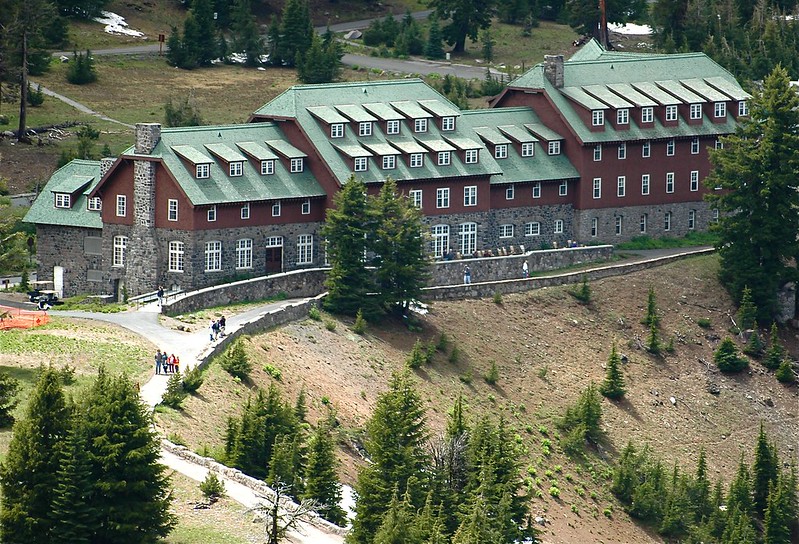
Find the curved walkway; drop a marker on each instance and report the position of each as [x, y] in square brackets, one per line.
[78, 106]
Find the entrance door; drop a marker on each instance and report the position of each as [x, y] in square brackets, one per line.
[274, 254]
[58, 280]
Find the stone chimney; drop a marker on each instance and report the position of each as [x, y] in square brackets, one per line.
[142, 251]
[147, 136]
[105, 165]
[553, 69]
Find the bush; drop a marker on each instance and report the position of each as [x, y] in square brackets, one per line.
[330, 325]
[704, 322]
[273, 371]
[81, 69]
[315, 314]
[67, 375]
[193, 380]
[174, 395]
[466, 378]
[212, 487]
[235, 361]
[443, 343]
[359, 327]
[492, 375]
[455, 355]
[554, 491]
[583, 294]
[726, 357]
[35, 98]
[754, 346]
[182, 114]
[497, 298]
[785, 372]
[418, 355]
[9, 386]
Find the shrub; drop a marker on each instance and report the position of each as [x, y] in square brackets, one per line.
[314, 313]
[81, 69]
[235, 361]
[359, 327]
[754, 346]
[212, 487]
[455, 355]
[273, 371]
[443, 343]
[176, 439]
[785, 372]
[653, 342]
[466, 378]
[193, 380]
[775, 353]
[330, 325]
[35, 97]
[726, 357]
[554, 491]
[174, 394]
[492, 375]
[704, 322]
[67, 375]
[9, 386]
[583, 293]
[497, 298]
[417, 356]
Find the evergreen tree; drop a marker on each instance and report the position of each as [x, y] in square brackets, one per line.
[74, 519]
[8, 391]
[174, 48]
[81, 70]
[411, 35]
[765, 471]
[203, 12]
[754, 345]
[398, 522]
[296, 32]
[747, 311]
[740, 494]
[190, 43]
[584, 15]
[585, 414]
[465, 19]
[613, 386]
[739, 529]
[300, 406]
[651, 318]
[29, 473]
[320, 63]
[321, 482]
[174, 394]
[236, 362]
[785, 373]
[758, 225]
[647, 499]
[246, 38]
[700, 490]
[778, 519]
[677, 513]
[433, 49]
[488, 44]
[284, 467]
[726, 357]
[775, 352]
[477, 527]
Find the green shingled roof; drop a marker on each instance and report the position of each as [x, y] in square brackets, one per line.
[43, 210]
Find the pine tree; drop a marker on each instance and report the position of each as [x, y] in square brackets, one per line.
[740, 495]
[778, 520]
[476, 527]
[677, 513]
[765, 471]
[775, 352]
[785, 373]
[174, 394]
[434, 49]
[398, 522]
[739, 529]
[613, 386]
[8, 391]
[74, 519]
[747, 311]
[320, 63]
[174, 48]
[321, 481]
[203, 12]
[300, 406]
[296, 32]
[246, 38]
[653, 345]
[700, 490]
[465, 19]
[283, 466]
[236, 362]
[651, 318]
[29, 473]
[726, 357]
[754, 345]
[647, 499]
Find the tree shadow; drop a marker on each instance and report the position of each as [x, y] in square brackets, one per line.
[628, 407]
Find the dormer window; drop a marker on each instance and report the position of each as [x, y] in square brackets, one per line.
[94, 204]
[743, 108]
[597, 118]
[63, 200]
[470, 156]
[420, 125]
[720, 109]
[501, 151]
[337, 130]
[671, 113]
[647, 114]
[696, 111]
[393, 126]
[236, 168]
[553, 148]
[528, 149]
[360, 164]
[389, 162]
[447, 124]
[417, 160]
[296, 165]
[267, 167]
[444, 158]
[203, 171]
[623, 116]
[365, 129]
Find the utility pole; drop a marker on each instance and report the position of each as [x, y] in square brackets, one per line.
[23, 89]
[603, 24]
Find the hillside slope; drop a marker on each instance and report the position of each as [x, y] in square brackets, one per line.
[547, 349]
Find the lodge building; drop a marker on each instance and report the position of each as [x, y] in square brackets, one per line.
[600, 148]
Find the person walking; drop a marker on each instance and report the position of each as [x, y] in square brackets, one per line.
[213, 330]
[525, 270]
[467, 274]
[177, 364]
[158, 362]
[222, 325]
[160, 295]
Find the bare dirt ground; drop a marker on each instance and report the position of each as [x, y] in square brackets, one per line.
[547, 348]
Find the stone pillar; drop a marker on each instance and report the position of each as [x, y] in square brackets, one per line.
[553, 69]
[105, 165]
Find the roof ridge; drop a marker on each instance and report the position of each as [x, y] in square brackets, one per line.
[202, 128]
[403, 81]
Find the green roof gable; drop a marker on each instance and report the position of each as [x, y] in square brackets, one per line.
[70, 178]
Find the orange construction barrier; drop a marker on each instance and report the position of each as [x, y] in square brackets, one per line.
[15, 318]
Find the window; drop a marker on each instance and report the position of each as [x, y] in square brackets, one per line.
[694, 146]
[558, 226]
[692, 219]
[276, 209]
[175, 256]
[63, 200]
[506, 231]
[211, 214]
[563, 188]
[447, 124]
[719, 144]
[172, 209]
[715, 215]
[670, 148]
[442, 197]
[415, 196]
[417, 160]
[389, 162]
[618, 225]
[420, 125]
[597, 188]
[94, 204]
[306, 206]
[598, 152]
[696, 111]
[669, 182]
[621, 186]
[203, 171]
[468, 238]
[337, 130]
[553, 148]
[528, 149]
[622, 153]
[245, 211]
[360, 164]
[694, 180]
[743, 107]
[671, 113]
[440, 240]
[622, 116]
[365, 128]
[647, 114]
[594, 226]
[470, 156]
[510, 193]
[267, 167]
[120, 244]
[646, 149]
[122, 205]
[667, 221]
[537, 189]
[236, 168]
[597, 118]
[444, 158]
[393, 126]
[305, 249]
[213, 256]
[244, 253]
[720, 109]
[470, 195]
[644, 219]
[501, 151]
[532, 229]
[644, 184]
[296, 165]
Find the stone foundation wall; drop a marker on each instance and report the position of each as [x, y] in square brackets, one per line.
[59, 246]
[631, 221]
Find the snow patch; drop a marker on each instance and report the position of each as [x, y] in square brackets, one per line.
[630, 29]
[115, 24]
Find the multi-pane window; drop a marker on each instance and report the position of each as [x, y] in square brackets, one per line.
[537, 189]
[236, 168]
[393, 126]
[647, 114]
[563, 188]
[415, 196]
[669, 182]
[470, 156]
[470, 195]
[528, 149]
[120, 244]
[337, 130]
[467, 235]
[506, 231]
[420, 125]
[63, 200]
[696, 111]
[175, 256]
[532, 229]
[305, 249]
[558, 226]
[720, 109]
[622, 116]
[691, 219]
[597, 118]
[510, 193]
[389, 162]
[442, 197]
[94, 204]
[213, 256]
[618, 225]
[440, 240]
[172, 209]
[644, 184]
[360, 164]
[715, 215]
[743, 107]
[719, 144]
[621, 186]
[670, 148]
[365, 128]
[267, 167]
[667, 221]
[306, 206]
[447, 124]
[644, 219]
[598, 152]
[671, 113]
[211, 216]
[694, 180]
[501, 151]
[296, 165]
[244, 253]
[444, 158]
[245, 211]
[597, 188]
[622, 152]
[594, 226]
[694, 146]
[202, 171]
[122, 205]
[276, 208]
[417, 160]
[553, 148]
[646, 149]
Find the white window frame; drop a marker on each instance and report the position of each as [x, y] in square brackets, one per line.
[695, 111]
[243, 253]
[645, 182]
[389, 162]
[447, 124]
[501, 151]
[415, 196]
[122, 205]
[619, 225]
[360, 164]
[420, 125]
[621, 186]
[442, 197]
[597, 118]
[510, 192]
[670, 148]
[245, 211]
[597, 152]
[669, 182]
[392, 126]
[176, 256]
[305, 249]
[470, 156]
[537, 189]
[597, 189]
[444, 158]
[202, 171]
[643, 223]
[667, 222]
[297, 165]
[623, 116]
[594, 227]
[506, 231]
[94, 204]
[691, 219]
[440, 240]
[416, 160]
[528, 149]
[694, 180]
[715, 215]
[213, 256]
[533, 228]
[647, 114]
[743, 108]
[306, 207]
[172, 209]
[646, 149]
[621, 154]
[671, 113]
[211, 214]
[719, 144]
[719, 110]
[63, 200]
[120, 248]
[337, 130]
[236, 168]
[553, 148]
[563, 188]
[694, 146]
[267, 167]
[467, 238]
[558, 226]
[277, 209]
[470, 195]
[365, 128]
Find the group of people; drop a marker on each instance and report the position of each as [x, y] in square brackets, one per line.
[166, 364]
[217, 328]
